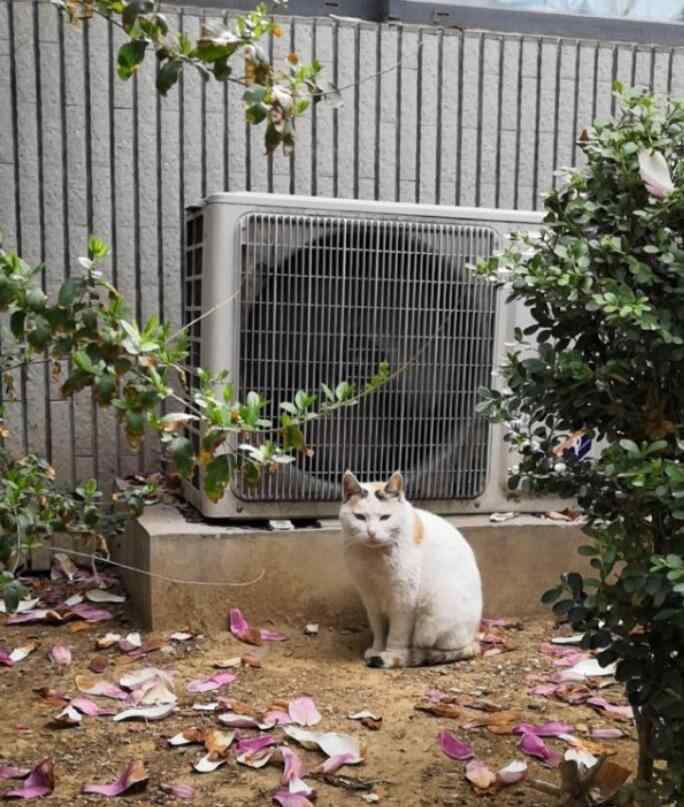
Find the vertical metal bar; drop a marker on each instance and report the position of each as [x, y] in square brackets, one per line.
[293, 164]
[226, 138]
[439, 123]
[136, 205]
[314, 115]
[41, 212]
[397, 142]
[499, 125]
[651, 72]
[556, 113]
[269, 159]
[459, 126]
[160, 215]
[613, 79]
[633, 65]
[336, 117]
[594, 100]
[575, 108]
[378, 111]
[357, 101]
[15, 127]
[518, 125]
[480, 93]
[670, 61]
[537, 119]
[419, 111]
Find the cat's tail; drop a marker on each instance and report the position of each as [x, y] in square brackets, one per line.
[424, 656]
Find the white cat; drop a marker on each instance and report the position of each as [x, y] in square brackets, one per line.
[416, 574]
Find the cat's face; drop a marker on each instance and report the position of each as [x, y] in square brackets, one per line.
[372, 514]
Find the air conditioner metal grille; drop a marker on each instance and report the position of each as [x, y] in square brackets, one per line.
[192, 306]
[326, 299]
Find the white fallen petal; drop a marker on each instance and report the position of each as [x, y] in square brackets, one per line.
[576, 639]
[499, 517]
[146, 713]
[134, 639]
[236, 721]
[208, 763]
[330, 742]
[589, 668]
[514, 772]
[256, 759]
[227, 663]
[155, 694]
[311, 629]
[20, 653]
[75, 599]
[655, 173]
[180, 636]
[371, 798]
[108, 640]
[205, 707]
[99, 595]
[136, 678]
[364, 715]
[69, 716]
[584, 759]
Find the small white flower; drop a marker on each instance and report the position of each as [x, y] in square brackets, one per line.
[559, 467]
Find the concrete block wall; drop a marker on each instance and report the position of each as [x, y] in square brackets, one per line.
[453, 117]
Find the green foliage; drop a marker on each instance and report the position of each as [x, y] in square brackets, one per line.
[604, 282]
[277, 97]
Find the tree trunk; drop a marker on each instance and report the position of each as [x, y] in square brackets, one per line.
[645, 731]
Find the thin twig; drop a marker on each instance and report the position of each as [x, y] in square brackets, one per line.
[163, 577]
[389, 69]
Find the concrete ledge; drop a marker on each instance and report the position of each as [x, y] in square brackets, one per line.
[300, 576]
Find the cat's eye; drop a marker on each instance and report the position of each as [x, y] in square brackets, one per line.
[385, 517]
[360, 516]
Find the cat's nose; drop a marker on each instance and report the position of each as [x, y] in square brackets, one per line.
[371, 535]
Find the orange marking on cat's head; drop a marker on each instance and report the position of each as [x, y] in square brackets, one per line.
[418, 530]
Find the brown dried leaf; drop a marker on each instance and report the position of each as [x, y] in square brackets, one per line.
[608, 781]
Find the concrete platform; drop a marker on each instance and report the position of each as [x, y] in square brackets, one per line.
[299, 576]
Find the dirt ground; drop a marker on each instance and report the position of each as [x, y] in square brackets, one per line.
[403, 758]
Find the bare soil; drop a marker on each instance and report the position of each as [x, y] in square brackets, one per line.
[403, 757]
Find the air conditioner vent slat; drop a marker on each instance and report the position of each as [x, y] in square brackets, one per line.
[324, 299]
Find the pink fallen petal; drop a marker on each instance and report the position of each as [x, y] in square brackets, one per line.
[553, 729]
[91, 614]
[40, 782]
[255, 759]
[102, 689]
[544, 690]
[293, 765]
[5, 657]
[303, 711]
[556, 651]
[133, 775]
[276, 717]
[606, 734]
[435, 695]
[454, 748]
[179, 791]
[237, 721]
[158, 712]
[38, 615]
[479, 775]
[252, 744]
[620, 712]
[90, 708]
[571, 659]
[333, 764]
[240, 628]
[286, 799]
[9, 772]
[216, 681]
[535, 747]
[513, 773]
[501, 622]
[300, 787]
[272, 635]
[61, 655]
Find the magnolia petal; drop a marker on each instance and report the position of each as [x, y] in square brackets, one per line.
[453, 748]
[364, 714]
[240, 628]
[40, 782]
[293, 765]
[333, 764]
[75, 599]
[218, 742]
[98, 595]
[619, 712]
[479, 775]
[311, 629]
[606, 734]
[5, 657]
[39, 615]
[275, 717]
[272, 635]
[9, 772]
[158, 712]
[575, 639]
[331, 743]
[585, 759]
[179, 636]
[108, 640]
[60, 654]
[205, 707]
[91, 614]
[237, 721]
[134, 775]
[553, 729]
[590, 668]
[23, 605]
[178, 791]
[208, 763]
[216, 681]
[135, 679]
[103, 689]
[252, 744]
[69, 716]
[187, 737]
[256, 759]
[20, 653]
[512, 773]
[90, 708]
[227, 663]
[535, 747]
[303, 711]
[286, 799]
[655, 173]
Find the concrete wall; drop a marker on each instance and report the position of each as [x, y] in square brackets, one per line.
[454, 117]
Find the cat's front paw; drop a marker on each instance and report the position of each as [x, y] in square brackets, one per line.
[387, 659]
[372, 652]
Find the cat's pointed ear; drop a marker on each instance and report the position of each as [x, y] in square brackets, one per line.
[351, 486]
[395, 485]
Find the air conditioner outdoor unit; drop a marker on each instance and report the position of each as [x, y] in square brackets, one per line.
[324, 290]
